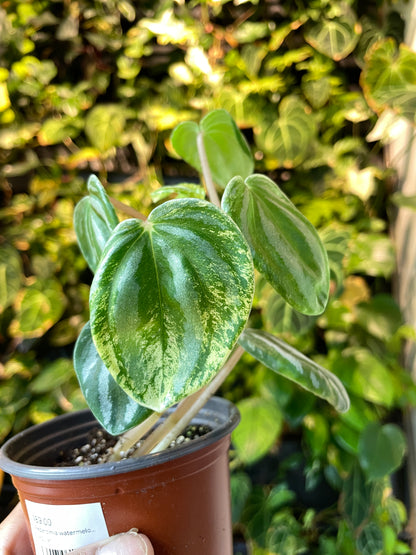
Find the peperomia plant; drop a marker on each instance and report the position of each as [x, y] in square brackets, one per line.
[172, 293]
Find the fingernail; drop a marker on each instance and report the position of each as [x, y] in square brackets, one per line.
[130, 543]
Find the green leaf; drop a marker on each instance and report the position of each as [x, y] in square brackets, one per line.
[287, 140]
[170, 297]
[406, 201]
[279, 317]
[380, 316]
[381, 449]
[290, 363]
[240, 485]
[356, 497]
[111, 406]
[56, 130]
[316, 91]
[371, 253]
[389, 78]
[286, 247]
[104, 126]
[227, 150]
[260, 426]
[182, 190]
[335, 37]
[39, 307]
[11, 275]
[336, 245]
[367, 376]
[370, 541]
[53, 375]
[94, 221]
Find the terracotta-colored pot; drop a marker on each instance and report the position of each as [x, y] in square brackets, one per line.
[180, 497]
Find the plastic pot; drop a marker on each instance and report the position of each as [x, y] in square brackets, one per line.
[180, 497]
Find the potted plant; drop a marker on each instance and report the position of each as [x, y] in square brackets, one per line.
[169, 309]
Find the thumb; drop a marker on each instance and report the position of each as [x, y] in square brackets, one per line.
[128, 543]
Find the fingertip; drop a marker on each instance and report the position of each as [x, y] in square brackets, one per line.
[130, 543]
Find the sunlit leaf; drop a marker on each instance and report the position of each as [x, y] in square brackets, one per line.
[170, 298]
[38, 307]
[290, 363]
[11, 275]
[366, 375]
[57, 130]
[286, 247]
[372, 254]
[104, 125]
[111, 406]
[94, 221]
[260, 426]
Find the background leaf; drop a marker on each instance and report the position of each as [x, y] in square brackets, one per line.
[260, 426]
[335, 37]
[381, 449]
[39, 307]
[104, 126]
[287, 140]
[11, 275]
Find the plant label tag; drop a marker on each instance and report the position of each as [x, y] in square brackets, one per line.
[59, 529]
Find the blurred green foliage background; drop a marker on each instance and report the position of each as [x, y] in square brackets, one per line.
[98, 87]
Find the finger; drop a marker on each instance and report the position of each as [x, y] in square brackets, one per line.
[14, 535]
[129, 543]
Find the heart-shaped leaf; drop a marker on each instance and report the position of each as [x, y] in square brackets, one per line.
[260, 426]
[287, 140]
[226, 148]
[290, 363]
[170, 297]
[381, 449]
[111, 406]
[104, 126]
[389, 78]
[94, 221]
[335, 37]
[286, 247]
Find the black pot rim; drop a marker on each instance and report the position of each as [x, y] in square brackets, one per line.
[34, 442]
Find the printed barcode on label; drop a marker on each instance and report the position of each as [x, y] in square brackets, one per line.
[47, 551]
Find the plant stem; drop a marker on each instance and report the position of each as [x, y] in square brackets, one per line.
[128, 210]
[131, 437]
[206, 172]
[177, 421]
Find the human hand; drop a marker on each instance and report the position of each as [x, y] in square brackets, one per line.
[14, 540]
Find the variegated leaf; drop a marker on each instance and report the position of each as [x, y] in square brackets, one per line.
[94, 221]
[286, 247]
[170, 298]
[111, 406]
[290, 363]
